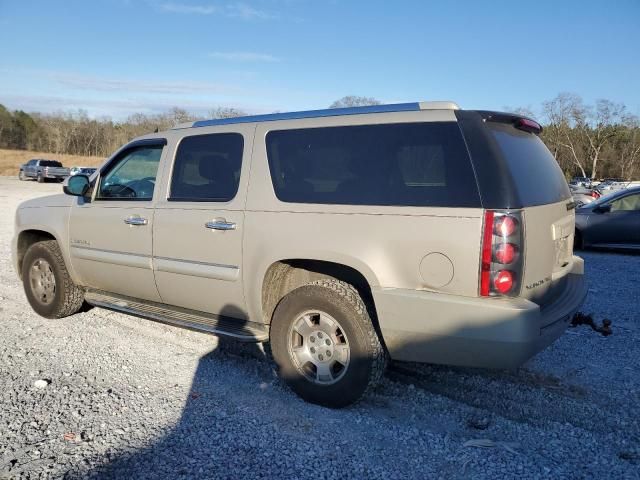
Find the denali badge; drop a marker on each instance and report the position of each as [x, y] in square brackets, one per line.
[86, 243]
[538, 283]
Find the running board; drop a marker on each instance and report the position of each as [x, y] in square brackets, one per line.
[241, 330]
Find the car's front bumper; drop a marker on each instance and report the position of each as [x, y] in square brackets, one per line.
[433, 327]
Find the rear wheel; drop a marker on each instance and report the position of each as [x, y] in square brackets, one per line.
[47, 283]
[40, 178]
[325, 345]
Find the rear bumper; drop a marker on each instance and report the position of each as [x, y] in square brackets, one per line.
[476, 332]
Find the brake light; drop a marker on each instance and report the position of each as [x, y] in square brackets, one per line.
[528, 125]
[505, 226]
[595, 194]
[501, 262]
[485, 268]
[505, 253]
[503, 281]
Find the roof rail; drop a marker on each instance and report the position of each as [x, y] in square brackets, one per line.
[329, 112]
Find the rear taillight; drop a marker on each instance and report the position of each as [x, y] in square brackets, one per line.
[501, 263]
[595, 194]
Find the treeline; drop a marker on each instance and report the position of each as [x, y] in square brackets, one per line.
[599, 140]
[76, 133]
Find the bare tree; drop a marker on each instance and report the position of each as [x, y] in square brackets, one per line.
[226, 112]
[627, 146]
[564, 114]
[354, 101]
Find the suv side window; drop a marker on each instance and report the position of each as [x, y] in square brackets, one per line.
[207, 168]
[132, 176]
[403, 164]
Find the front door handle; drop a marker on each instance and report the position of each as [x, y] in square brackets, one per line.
[135, 221]
[220, 225]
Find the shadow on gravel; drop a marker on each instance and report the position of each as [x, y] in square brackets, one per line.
[200, 444]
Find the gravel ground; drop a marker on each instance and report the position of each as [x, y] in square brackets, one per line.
[101, 394]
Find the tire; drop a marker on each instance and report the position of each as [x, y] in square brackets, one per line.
[47, 284]
[40, 178]
[21, 176]
[359, 359]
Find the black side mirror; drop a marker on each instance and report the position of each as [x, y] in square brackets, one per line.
[76, 185]
[602, 209]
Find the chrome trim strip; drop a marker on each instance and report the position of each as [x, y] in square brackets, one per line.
[228, 273]
[108, 256]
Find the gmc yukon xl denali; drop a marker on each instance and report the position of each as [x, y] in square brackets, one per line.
[341, 238]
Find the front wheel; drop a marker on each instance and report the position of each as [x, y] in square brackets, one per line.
[324, 344]
[21, 176]
[47, 283]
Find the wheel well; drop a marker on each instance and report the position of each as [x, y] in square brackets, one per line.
[28, 238]
[578, 241]
[286, 275]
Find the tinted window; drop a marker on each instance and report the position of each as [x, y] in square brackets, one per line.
[132, 176]
[534, 171]
[207, 168]
[420, 164]
[628, 203]
[50, 163]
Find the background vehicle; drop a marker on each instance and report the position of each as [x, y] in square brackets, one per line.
[610, 184]
[416, 231]
[582, 195]
[43, 170]
[580, 182]
[612, 221]
[88, 171]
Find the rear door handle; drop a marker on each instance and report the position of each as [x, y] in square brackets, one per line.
[135, 221]
[220, 225]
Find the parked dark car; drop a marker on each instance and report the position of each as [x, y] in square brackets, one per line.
[43, 170]
[612, 221]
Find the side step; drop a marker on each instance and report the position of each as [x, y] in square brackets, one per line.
[241, 330]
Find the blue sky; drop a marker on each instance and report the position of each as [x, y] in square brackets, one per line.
[117, 57]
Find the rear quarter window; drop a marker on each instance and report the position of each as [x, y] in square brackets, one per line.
[50, 163]
[409, 164]
[536, 175]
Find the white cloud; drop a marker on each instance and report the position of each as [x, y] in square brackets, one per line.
[193, 9]
[232, 10]
[244, 57]
[129, 85]
[246, 12]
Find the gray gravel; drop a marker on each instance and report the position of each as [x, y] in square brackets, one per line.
[105, 395]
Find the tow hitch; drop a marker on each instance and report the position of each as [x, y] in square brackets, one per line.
[582, 319]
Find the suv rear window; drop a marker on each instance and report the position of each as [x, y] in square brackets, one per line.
[406, 164]
[534, 171]
[50, 163]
